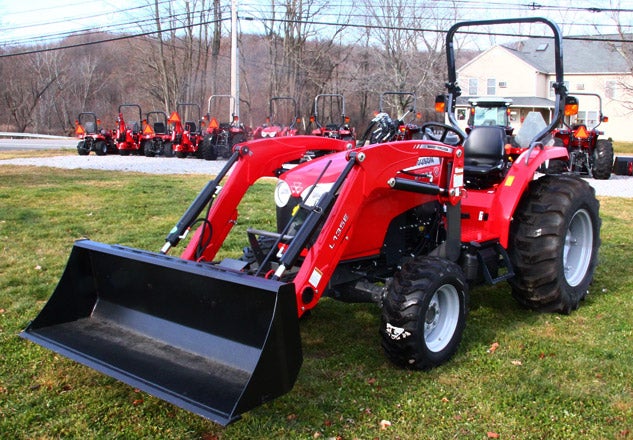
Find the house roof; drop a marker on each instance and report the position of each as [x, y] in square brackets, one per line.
[580, 55]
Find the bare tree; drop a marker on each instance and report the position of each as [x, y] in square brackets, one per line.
[303, 56]
[174, 64]
[621, 44]
[22, 93]
[406, 45]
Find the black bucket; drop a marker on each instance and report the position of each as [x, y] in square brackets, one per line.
[214, 342]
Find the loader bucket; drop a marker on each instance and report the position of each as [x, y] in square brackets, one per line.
[214, 342]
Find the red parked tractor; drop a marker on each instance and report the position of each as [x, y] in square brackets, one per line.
[325, 120]
[186, 138]
[490, 110]
[220, 137]
[156, 137]
[92, 137]
[588, 155]
[282, 120]
[388, 223]
[128, 134]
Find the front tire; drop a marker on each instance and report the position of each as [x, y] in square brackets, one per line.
[424, 313]
[554, 242]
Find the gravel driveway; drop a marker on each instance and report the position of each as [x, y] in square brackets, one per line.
[616, 186]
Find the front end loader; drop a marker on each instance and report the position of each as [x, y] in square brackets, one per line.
[221, 337]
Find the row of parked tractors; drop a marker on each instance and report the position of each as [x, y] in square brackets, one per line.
[188, 133]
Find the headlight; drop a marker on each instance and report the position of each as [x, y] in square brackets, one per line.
[316, 193]
[282, 194]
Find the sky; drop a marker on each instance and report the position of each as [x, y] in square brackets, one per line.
[45, 21]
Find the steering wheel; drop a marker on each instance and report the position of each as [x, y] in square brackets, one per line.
[444, 133]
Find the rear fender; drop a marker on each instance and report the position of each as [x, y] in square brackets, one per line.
[491, 212]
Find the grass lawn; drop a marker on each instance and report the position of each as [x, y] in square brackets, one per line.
[517, 374]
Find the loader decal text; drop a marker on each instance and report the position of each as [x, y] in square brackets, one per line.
[427, 161]
[432, 147]
[339, 230]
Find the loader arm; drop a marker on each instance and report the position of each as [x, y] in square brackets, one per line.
[257, 159]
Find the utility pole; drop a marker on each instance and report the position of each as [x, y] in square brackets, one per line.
[235, 72]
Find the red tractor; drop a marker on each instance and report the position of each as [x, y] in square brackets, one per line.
[279, 122]
[186, 138]
[490, 110]
[220, 137]
[410, 225]
[92, 137]
[588, 155]
[385, 129]
[324, 120]
[156, 137]
[128, 132]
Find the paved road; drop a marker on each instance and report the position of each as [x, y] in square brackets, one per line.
[37, 144]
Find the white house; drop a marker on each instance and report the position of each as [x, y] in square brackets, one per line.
[524, 71]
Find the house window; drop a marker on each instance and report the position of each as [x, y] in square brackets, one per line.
[503, 84]
[473, 86]
[589, 118]
[580, 86]
[610, 88]
[491, 86]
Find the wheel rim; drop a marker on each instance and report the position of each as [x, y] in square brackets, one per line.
[578, 247]
[441, 318]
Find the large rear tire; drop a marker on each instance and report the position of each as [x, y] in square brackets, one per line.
[101, 148]
[209, 152]
[554, 242]
[602, 159]
[168, 149]
[424, 313]
[82, 150]
[147, 148]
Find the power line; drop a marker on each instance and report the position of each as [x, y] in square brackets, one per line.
[106, 40]
[270, 19]
[111, 25]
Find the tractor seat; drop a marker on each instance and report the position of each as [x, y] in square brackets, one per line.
[484, 161]
[159, 128]
[190, 126]
[90, 127]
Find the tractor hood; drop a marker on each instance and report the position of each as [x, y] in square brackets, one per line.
[323, 170]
